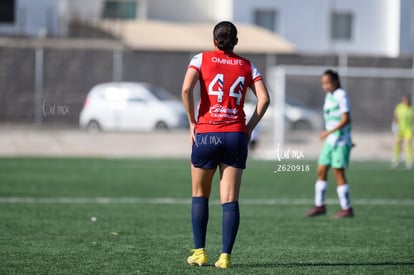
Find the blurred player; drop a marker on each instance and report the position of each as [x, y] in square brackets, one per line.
[403, 119]
[337, 146]
[220, 136]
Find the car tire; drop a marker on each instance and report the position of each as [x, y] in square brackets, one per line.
[161, 126]
[93, 126]
[301, 125]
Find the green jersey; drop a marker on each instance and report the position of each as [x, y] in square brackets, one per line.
[337, 103]
[405, 116]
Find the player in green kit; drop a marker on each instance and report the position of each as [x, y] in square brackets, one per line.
[337, 146]
[404, 119]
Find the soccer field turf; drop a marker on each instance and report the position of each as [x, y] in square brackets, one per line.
[142, 210]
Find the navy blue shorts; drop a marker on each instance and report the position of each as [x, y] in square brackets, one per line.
[211, 149]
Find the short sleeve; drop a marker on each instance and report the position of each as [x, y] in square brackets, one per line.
[195, 63]
[256, 75]
[344, 102]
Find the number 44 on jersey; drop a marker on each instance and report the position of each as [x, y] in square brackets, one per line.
[217, 85]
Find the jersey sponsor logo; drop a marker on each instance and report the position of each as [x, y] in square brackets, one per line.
[223, 112]
[226, 61]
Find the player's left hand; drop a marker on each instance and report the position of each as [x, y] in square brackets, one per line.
[324, 135]
[192, 132]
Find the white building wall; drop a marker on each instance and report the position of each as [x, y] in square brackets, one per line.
[407, 27]
[179, 10]
[222, 9]
[90, 10]
[190, 10]
[36, 18]
[376, 27]
[52, 17]
[380, 27]
[307, 24]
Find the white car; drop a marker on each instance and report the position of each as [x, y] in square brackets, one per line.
[129, 106]
[301, 117]
[297, 116]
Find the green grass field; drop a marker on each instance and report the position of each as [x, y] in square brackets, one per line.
[143, 226]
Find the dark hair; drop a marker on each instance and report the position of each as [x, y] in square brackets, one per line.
[225, 35]
[334, 77]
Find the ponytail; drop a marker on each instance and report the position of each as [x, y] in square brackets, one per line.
[225, 35]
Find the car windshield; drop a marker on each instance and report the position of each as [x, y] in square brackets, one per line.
[160, 94]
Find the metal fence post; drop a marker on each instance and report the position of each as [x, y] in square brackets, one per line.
[278, 88]
[38, 105]
[412, 81]
[117, 65]
[342, 69]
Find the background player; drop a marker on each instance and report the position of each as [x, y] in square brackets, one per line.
[220, 135]
[337, 146]
[404, 118]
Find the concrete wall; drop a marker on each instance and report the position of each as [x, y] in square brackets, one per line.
[372, 99]
[70, 73]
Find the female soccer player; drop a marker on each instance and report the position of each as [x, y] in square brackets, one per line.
[404, 118]
[337, 146]
[220, 135]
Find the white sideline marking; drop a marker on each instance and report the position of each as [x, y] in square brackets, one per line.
[136, 200]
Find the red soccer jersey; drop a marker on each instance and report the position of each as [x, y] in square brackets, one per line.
[224, 79]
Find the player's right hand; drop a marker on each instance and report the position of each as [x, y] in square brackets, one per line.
[394, 127]
[324, 135]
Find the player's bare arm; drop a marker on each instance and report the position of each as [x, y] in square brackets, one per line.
[346, 118]
[395, 117]
[263, 101]
[187, 94]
